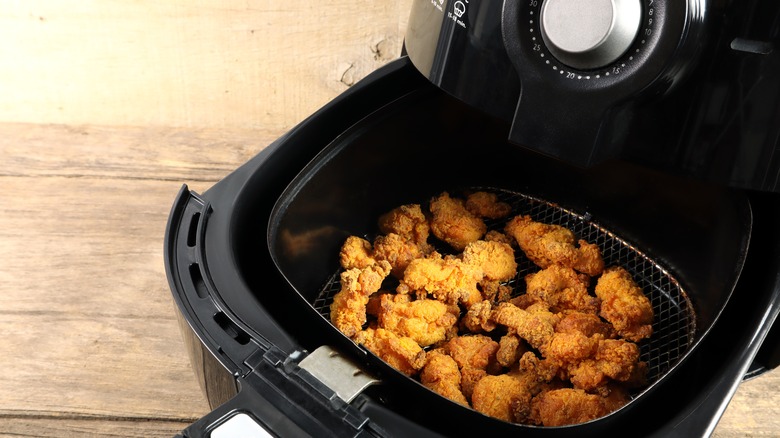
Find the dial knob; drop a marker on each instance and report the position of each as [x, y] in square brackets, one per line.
[589, 34]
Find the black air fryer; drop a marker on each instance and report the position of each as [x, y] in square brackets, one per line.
[649, 126]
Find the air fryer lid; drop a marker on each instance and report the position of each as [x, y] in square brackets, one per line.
[699, 233]
[695, 92]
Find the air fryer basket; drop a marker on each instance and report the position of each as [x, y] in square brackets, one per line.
[674, 325]
[684, 241]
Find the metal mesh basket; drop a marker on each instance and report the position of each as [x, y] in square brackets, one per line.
[674, 323]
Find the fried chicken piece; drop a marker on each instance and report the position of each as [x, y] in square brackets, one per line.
[487, 205]
[566, 349]
[588, 324]
[501, 396]
[615, 359]
[535, 329]
[453, 223]
[510, 349]
[400, 352]
[398, 251]
[348, 310]
[562, 289]
[476, 358]
[496, 260]
[547, 244]
[494, 290]
[497, 236]
[442, 375]
[561, 407]
[356, 252]
[426, 321]
[624, 305]
[478, 317]
[407, 221]
[447, 279]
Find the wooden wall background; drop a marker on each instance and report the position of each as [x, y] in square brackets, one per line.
[188, 63]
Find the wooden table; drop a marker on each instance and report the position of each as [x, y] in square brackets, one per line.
[89, 340]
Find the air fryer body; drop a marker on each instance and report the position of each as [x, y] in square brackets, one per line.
[675, 155]
[696, 93]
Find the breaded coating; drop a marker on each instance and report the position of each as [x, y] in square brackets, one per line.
[500, 396]
[400, 352]
[476, 358]
[510, 349]
[398, 251]
[535, 329]
[497, 236]
[566, 349]
[453, 223]
[547, 351]
[496, 260]
[487, 205]
[614, 360]
[447, 279]
[356, 252]
[442, 375]
[588, 324]
[348, 310]
[547, 244]
[407, 221]
[561, 288]
[426, 321]
[478, 317]
[624, 305]
[561, 407]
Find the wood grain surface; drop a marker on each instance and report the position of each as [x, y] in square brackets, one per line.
[107, 108]
[90, 342]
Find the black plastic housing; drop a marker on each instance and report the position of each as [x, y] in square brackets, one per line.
[696, 95]
[222, 248]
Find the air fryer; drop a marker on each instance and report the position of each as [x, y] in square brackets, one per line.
[669, 165]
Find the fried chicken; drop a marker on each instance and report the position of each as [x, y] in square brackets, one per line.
[442, 375]
[510, 349]
[496, 260]
[547, 244]
[348, 310]
[535, 329]
[398, 251]
[614, 360]
[453, 223]
[476, 358]
[561, 407]
[588, 324]
[407, 221]
[561, 288]
[426, 321]
[356, 252]
[447, 279]
[501, 396]
[624, 305]
[400, 352]
[487, 205]
[478, 317]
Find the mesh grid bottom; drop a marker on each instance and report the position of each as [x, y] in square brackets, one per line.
[674, 318]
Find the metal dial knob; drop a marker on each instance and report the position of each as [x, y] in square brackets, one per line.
[589, 34]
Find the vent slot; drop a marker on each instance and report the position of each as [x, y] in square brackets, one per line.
[192, 232]
[231, 328]
[197, 281]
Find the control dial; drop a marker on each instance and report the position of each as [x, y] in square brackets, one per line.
[589, 34]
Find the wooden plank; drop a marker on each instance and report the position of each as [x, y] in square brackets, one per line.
[90, 428]
[87, 326]
[193, 63]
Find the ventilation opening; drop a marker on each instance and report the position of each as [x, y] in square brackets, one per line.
[231, 328]
[197, 281]
[192, 233]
